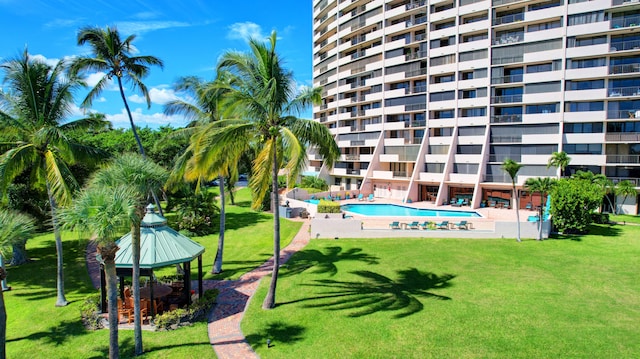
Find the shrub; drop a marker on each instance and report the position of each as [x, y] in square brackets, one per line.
[180, 317]
[195, 212]
[573, 201]
[90, 312]
[328, 207]
[314, 182]
[600, 218]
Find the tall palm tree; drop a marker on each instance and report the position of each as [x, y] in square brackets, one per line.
[204, 109]
[143, 177]
[541, 185]
[625, 188]
[14, 227]
[560, 160]
[265, 96]
[114, 57]
[105, 213]
[512, 168]
[40, 100]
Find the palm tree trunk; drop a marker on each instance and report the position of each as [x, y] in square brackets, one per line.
[3, 320]
[112, 294]
[4, 279]
[19, 254]
[61, 301]
[138, 141]
[517, 207]
[270, 299]
[217, 263]
[135, 287]
[541, 217]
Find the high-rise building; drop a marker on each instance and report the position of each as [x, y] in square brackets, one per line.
[426, 99]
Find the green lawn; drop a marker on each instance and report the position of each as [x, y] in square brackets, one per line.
[37, 329]
[624, 218]
[456, 298]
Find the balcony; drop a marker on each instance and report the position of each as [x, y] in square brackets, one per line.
[635, 181]
[508, 19]
[627, 21]
[509, 39]
[632, 159]
[506, 139]
[506, 79]
[624, 45]
[622, 137]
[623, 91]
[400, 174]
[624, 69]
[506, 99]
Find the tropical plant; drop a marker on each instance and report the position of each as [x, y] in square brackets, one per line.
[195, 164]
[512, 168]
[15, 229]
[606, 185]
[560, 160]
[142, 176]
[266, 96]
[541, 185]
[105, 213]
[624, 188]
[314, 182]
[3, 319]
[35, 111]
[194, 213]
[573, 201]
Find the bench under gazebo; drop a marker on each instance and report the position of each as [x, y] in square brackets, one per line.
[160, 246]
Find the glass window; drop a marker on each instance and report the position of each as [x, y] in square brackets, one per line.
[583, 149]
[542, 108]
[584, 106]
[584, 85]
[583, 127]
[442, 96]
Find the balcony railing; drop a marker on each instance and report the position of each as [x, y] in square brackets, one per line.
[400, 174]
[635, 181]
[415, 72]
[625, 45]
[357, 143]
[507, 79]
[497, 178]
[352, 157]
[418, 123]
[509, 39]
[502, 2]
[508, 19]
[501, 158]
[633, 159]
[415, 107]
[506, 139]
[626, 21]
[353, 172]
[624, 69]
[506, 99]
[622, 114]
[624, 91]
[623, 136]
[506, 118]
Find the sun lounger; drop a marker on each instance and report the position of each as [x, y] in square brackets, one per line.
[414, 225]
[360, 197]
[425, 225]
[459, 203]
[394, 225]
[370, 198]
[443, 225]
[461, 225]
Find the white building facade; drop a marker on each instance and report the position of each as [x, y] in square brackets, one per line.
[426, 99]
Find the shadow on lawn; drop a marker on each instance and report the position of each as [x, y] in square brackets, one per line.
[276, 332]
[603, 230]
[232, 268]
[374, 292]
[56, 335]
[319, 262]
[242, 220]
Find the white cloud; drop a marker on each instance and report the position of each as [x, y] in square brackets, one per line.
[159, 95]
[245, 31]
[101, 99]
[93, 79]
[38, 57]
[152, 120]
[139, 27]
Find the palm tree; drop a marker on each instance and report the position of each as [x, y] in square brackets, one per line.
[15, 228]
[512, 167]
[560, 160]
[265, 97]
[143, 177]
[36, 108]
[625, 188]
[203, 110]
[105, 213]
[542, 185]
[114, 57]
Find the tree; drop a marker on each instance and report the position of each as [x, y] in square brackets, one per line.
[266, 98]
[40, 100]
[573, 201]
[143, 177]
[541, 185]
[203, 110]
[105, 213]
[624, 188]
[512, 167]
[560, 160]
[114, 57]
[606, 185]
[15, 228]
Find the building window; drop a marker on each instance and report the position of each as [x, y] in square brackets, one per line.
[584, 106]
[583, 127]
[442, 96]
[473, 112]
[586, 18]
[584, 85]
[583, 149]
[542, 108]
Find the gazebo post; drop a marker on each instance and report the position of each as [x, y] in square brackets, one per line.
[151, 296]
[200, 276]
[121, 287]
[187, 281]
[103, 293]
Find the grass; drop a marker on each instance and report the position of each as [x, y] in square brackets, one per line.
[37, 329]
[456, 298]
[625, 218]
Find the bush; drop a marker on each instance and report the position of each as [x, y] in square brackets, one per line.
[195, 212]
[181, 317]
[90, 312]
[328, 207]
[314, 182]
[600, 218]
[573, 201]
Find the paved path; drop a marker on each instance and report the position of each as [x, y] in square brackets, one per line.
[224, 321]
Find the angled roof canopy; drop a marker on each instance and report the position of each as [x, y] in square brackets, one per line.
[160, 245]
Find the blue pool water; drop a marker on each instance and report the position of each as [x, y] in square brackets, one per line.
[312, 201]
[393, 210]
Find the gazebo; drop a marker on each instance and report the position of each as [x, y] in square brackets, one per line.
[160, 246]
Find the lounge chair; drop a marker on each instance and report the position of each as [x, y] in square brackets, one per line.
[360, 197]
[414, 225]
[394, 225]
[492, 204]
[425, 225]
[459, 203]
[529, 206]
[443, 225]
[461, 225]
[370, 198]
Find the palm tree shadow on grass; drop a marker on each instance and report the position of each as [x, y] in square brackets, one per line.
[377, 293]
[318, 262]
[56, 335]
[242, 220]
[276, 332]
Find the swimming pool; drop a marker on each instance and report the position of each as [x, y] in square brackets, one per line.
[312, 201]
[394, 210]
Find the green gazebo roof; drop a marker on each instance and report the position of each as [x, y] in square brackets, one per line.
[160, 245]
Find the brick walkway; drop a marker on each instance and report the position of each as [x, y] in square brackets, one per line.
[224, 321]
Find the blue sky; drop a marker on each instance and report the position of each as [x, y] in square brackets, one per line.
[189, 36]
